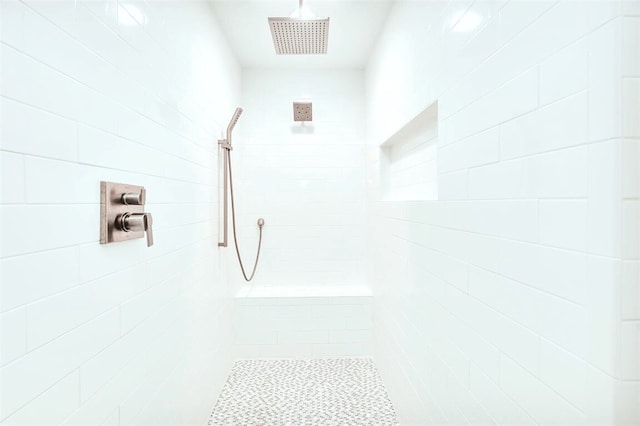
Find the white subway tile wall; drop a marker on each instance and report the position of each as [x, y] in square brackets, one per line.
[305, 179]
[513, 299]
[304, 321]
[135, 93]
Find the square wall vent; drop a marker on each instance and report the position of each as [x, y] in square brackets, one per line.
[302, 111]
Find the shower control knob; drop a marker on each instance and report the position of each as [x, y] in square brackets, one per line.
[137, 222]
[131, 198]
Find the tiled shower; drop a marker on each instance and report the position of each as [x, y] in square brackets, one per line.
[463, 209]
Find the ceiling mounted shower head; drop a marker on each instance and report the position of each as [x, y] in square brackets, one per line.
[299, 34]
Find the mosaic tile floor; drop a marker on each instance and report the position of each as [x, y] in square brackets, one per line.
[346, 391]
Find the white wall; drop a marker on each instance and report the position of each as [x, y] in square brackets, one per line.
[514, 298]
[306, 181]
[116, 333]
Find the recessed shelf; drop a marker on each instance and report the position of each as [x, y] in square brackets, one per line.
[408, 161]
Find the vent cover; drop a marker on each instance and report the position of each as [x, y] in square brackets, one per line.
[293, 36]
[302, 111]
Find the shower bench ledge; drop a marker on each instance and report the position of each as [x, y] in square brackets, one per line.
[303, 321]
[248, 294]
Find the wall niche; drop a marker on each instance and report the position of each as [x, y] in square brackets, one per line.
[409, 159]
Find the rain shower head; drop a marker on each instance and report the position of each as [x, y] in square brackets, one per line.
[299, 34]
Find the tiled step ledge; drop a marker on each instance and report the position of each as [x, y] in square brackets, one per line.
[303, 322]
[304, 295]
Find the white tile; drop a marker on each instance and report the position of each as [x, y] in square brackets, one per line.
[564, 73]
[626, 406]
[70, 64]
[604, 228]
[509, 219]
[510, 20]
[331, 350]
[60, 313]
[558, 174]
[558, 125]
[602, 305]
[52, 406]
[604, 82]
[308, 336]
[630, 229]
[630, 107]
[471, 408]
[601, 12]
[13, 341]
[630, 291]
[631, 46]
[11, 19]
[99, 370]
[556, 319]
[12, 170]
[564, 373]
[497, 403]
[350, 336]
[630, 8]
[21, 283]
[453, 186]
[262, 337]
[53, 137]
[555, 271]
[630, 175]
[98, 408]
[113, 419]
[99, 148]
[146, 303]
[507, 335]
[630, 350]
[34, 373]
[33, 83]
[247, 351]
[452, 242]
[300, 350]
[446, 267]
[476, 150]
[516, 97]
[540, 401]
[81, 184]
[563, 223]
[600, 410]
[74, 225]
[98, 260]
[496, 181]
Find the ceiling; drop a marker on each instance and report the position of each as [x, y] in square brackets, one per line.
[353, 31]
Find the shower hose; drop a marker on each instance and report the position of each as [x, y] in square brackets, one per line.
[233, 222]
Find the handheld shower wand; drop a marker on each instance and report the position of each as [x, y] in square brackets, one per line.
[232, 123]
[225, 144]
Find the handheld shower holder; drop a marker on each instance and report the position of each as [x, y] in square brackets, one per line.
[224, 144]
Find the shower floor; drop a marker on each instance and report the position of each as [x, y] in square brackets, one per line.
[345, 391]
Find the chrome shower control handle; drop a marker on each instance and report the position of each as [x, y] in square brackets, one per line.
[137, 222]
[131, 198]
